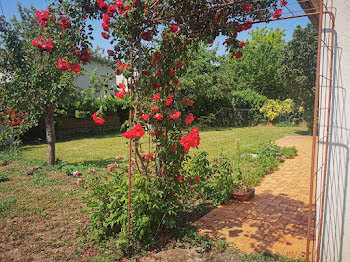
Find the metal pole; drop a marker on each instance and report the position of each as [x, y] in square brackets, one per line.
[314, 131]
[332, 17]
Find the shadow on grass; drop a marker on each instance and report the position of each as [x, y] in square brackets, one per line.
[303, 132]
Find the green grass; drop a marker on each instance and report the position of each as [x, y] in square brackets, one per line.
[102, 150]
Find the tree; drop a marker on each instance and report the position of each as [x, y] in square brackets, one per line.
[201, 82]
[257, 70]
[39, 60]
[298, 64]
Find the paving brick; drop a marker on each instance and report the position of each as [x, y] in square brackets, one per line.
[276, 219]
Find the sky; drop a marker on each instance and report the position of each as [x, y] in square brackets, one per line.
[9, 8]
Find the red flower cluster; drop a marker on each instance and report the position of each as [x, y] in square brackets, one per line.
[157, 55]
[136, 132]
[64, 65]
[147, 35]
[11, 118]
[238, 55]
[247, 7]
[189, 119]
[169, 100]
[121, 93]
[64, 22]
[98, 120]
[179, 64]
[154, 109]
[188, 101]
[192, 140]
[146, 117]
[110, 52]
[283, 3]
[174, 116]
[121, 67]
[277, 14]
[242, 44]
[43, 43]
[158, 116]
[174, 28]
[43, 17]
[105, 36]
[248, 25]
[156, 97]
[84, 55]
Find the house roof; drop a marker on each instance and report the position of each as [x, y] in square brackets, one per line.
[311, 6]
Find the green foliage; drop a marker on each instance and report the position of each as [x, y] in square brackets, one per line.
[298, 69]
[201, 82]
[257, 70]
[289, 152]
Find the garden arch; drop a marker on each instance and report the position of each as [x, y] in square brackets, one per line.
[324, 16]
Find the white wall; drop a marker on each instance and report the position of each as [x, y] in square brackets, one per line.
[335, 243]
[83, 81]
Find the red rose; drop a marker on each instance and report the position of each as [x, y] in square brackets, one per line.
[277, 14]
[136, 132]
[110, 52]
[157, 55]
[146, 35]
[189, 119]
[64, 22]
[283, 3]
[146, 117]
[174, 28]
[179, 64]
[63, 64]
[247, 7]
[120, 94]
[43, 17]
[102, 5]
[238, 55]
[169, 100]
[156, 97]
[75, 68]
[242, 44]
[175, 116]
[154, 109]
[192, 140]
[172, 72]
[98, 120]
[106, 19]
[180, 178]
[105, 27]
[44, 44]
[122, 86]
[158, 116]
[106, 36]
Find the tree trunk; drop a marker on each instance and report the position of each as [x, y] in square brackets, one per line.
[49, 110]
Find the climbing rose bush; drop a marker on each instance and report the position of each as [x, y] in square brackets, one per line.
[152, 54]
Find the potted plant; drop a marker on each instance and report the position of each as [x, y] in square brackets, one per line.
[245, 181]
[245, 189]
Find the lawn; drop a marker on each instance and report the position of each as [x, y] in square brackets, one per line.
[102, 150]
[41, 215]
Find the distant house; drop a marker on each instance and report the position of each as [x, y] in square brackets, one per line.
[103, 69]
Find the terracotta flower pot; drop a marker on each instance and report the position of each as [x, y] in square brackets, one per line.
[244, 196]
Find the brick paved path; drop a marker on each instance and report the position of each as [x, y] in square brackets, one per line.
[276, 220]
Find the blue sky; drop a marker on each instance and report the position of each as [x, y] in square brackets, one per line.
[10, 9]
